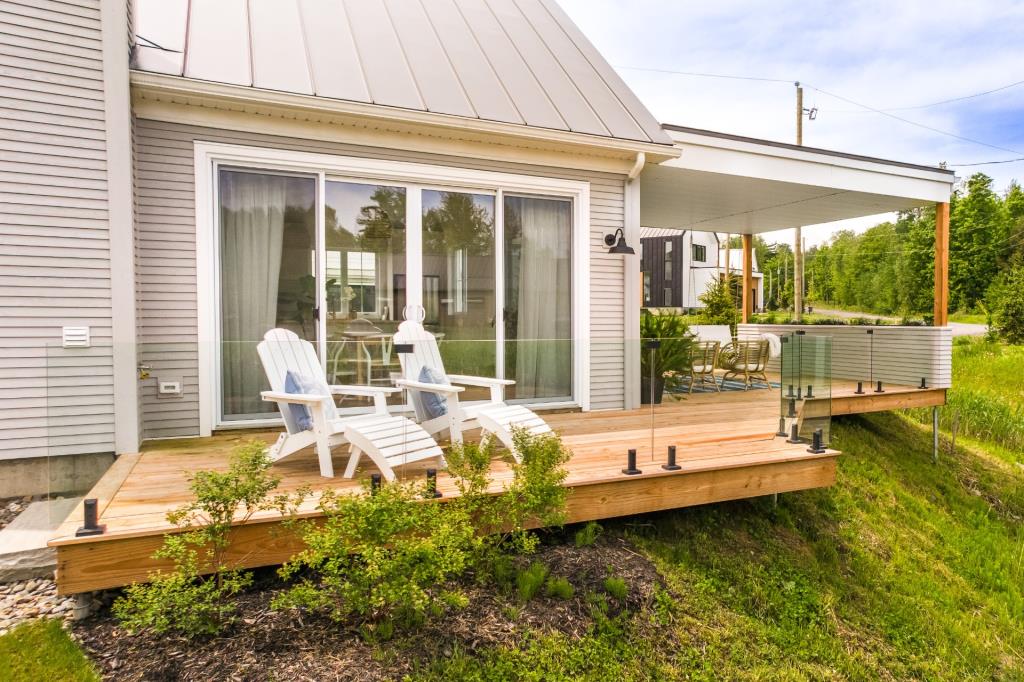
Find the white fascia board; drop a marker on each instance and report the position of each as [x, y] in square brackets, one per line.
[256, 100]
[807, 167]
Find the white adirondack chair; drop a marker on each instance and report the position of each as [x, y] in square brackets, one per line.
[388, 440]
[493, 417]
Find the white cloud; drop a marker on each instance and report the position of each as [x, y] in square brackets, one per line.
[878, 52]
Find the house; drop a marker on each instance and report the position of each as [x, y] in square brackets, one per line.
[679, 265]
[182, 175]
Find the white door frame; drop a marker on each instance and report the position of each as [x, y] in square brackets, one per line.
[208, 155]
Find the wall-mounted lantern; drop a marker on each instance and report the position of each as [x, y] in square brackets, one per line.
[617, 243]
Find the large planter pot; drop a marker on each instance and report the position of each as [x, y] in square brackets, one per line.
[645, 390]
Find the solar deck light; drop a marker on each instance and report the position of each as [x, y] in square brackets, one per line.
[924, 383]
[631, 469]
[860, 388]
[810, 391]
[671, 465]
[789, 391]
[91, 525]
[617, 242]
[798, 395]
[374, 483]
[794, 434]
[878, 387]
[792, 408]
[652, 344]
[782, 427]
[816, 447]
[432, 491]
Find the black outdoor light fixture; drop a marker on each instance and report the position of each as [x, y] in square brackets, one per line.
[816, 447]
[374, 483]
[617, 243]
[924, 383]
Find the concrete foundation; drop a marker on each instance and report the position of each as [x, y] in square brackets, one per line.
[59, 475]
[23, 550]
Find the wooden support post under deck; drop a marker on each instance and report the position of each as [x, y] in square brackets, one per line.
[748, 278]
[941, 310]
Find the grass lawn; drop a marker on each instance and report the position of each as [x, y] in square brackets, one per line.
[969, 318]
[903, 570]
[987, 398]
[42, 651]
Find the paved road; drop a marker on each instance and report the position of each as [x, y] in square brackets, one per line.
[959, 328]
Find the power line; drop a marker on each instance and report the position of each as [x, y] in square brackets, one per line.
[986, 163]
[883, 112]
[914, 123]
[935, 104]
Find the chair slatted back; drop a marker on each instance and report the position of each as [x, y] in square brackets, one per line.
[424, 354]
[705, 353]
[282, 350]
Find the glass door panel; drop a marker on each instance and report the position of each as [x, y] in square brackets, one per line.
[267, 246]
[459, 282]
[364, 282]
[538, 297]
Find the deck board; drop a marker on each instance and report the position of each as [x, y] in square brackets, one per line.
[726, 448]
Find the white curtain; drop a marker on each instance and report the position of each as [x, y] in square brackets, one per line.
[252, 229]
[543, 351]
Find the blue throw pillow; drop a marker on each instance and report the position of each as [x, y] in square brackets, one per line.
[296, 383]
[434, 405]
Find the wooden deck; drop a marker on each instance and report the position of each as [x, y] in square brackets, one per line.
[726, 447]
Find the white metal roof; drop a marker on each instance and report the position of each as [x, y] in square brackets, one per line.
[511, 61]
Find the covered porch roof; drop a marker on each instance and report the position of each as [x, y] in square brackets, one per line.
[728, 183]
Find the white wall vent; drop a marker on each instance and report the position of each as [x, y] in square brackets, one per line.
[76, 337]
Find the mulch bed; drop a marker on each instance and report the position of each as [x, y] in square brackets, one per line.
[292, 645]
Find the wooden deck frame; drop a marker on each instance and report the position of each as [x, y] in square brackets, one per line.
[721, 458]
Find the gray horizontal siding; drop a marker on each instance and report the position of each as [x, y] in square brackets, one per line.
[166, 274]
[55, 263]
[893, 355]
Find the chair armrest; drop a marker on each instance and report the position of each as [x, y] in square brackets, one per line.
[428, 387]
[479, 381]
[368, 391]
[299, 398]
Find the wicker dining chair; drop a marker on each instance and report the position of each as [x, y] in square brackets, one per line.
[703, 362]
[748, 359]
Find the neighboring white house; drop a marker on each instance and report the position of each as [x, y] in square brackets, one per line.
[679, 265]
[181, 175]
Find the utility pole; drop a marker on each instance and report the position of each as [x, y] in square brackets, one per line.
[798, 255]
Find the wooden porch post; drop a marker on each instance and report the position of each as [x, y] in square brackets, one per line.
[748, 277]
[941, 310]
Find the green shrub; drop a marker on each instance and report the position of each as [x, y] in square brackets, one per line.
[1006, 299]
[530, 580]
[386, 555]
[559, 587]
[719, 305]
[378, 555]
[672, 358]
[194, 598]
[588, 534]
[616, 587]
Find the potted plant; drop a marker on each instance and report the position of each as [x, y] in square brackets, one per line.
[665, 365]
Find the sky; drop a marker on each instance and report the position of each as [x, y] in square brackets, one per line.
[886, 54]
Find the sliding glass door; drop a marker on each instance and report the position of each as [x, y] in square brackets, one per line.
[267, 277]
[459, 282]
[330, 259]
[364, 281]
[538, 297]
